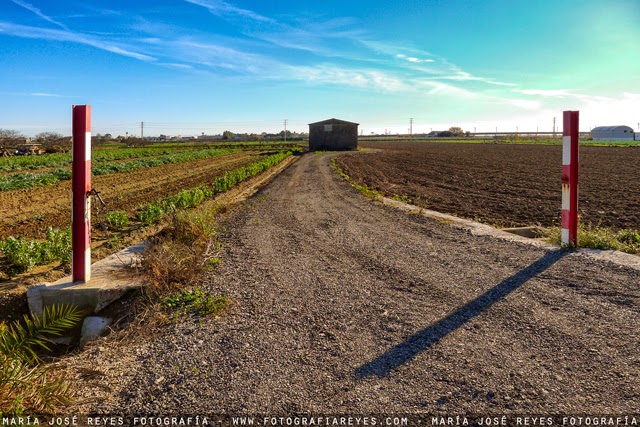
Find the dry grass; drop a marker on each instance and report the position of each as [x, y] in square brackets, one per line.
[181, 253]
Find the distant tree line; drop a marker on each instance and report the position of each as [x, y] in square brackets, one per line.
[453, 131]
[52, 142]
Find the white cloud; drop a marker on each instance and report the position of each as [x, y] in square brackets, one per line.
[219, 7]
[70, 36]
[39, 13]
[604, 111]
[524, 104]
[560, 93]
[434, 87]
[463, 76]
[413, 59]
[178, 66]
[418, 60]
[439, 68]
[330, 74]
[52, 95]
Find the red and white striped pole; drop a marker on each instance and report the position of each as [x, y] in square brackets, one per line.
[570, 178]
[81, 201]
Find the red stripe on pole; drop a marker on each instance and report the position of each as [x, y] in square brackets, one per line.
[81, 185]
[565, 219]
[566, 172]
[570, 129]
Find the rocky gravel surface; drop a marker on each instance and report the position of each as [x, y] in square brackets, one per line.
[342, 305]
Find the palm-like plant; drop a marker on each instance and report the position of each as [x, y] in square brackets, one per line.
[26, 384]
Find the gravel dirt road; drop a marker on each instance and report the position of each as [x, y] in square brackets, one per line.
[346, 306]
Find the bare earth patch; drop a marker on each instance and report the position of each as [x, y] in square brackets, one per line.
[503, 184]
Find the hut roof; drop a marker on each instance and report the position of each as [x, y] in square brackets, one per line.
[334, 121]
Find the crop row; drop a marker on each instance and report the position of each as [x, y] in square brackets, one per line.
[18, 163]
[21, 254]
[8, 164]
[153, 212]
[28, 180]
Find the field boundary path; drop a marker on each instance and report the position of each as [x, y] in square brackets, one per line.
[343, 305]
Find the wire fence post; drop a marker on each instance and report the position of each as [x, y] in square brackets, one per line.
[81, 201]
[570, 178]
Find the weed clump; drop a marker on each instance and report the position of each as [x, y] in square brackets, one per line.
[596, 237]
[197, 302]
[117, 219]
[180, 254]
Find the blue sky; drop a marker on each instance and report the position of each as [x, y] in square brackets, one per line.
[192, 66]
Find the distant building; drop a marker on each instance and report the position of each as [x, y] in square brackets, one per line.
[333, 134]
[30, 149]
[614, 133]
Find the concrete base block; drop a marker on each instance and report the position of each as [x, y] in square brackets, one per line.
[34, 298]
[528, 232]
[111, 278]
[93, 327]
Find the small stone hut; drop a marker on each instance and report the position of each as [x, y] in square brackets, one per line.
[333, 134]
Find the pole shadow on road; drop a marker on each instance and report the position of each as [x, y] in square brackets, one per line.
[421, 341]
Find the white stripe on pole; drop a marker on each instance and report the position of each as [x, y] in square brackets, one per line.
[566, 192]
[566, 150]
[87, 146]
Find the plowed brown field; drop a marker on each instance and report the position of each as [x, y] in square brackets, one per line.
[506, 185]
[28, 212]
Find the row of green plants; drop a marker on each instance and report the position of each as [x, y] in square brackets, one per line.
[185, 156]
[153, 212]
[28, 180]
[17, 163]
[8, 164]
[22, 254]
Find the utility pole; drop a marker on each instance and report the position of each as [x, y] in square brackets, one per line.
[554, 127]
[411, 127]
[141, 130]
[285, 130]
